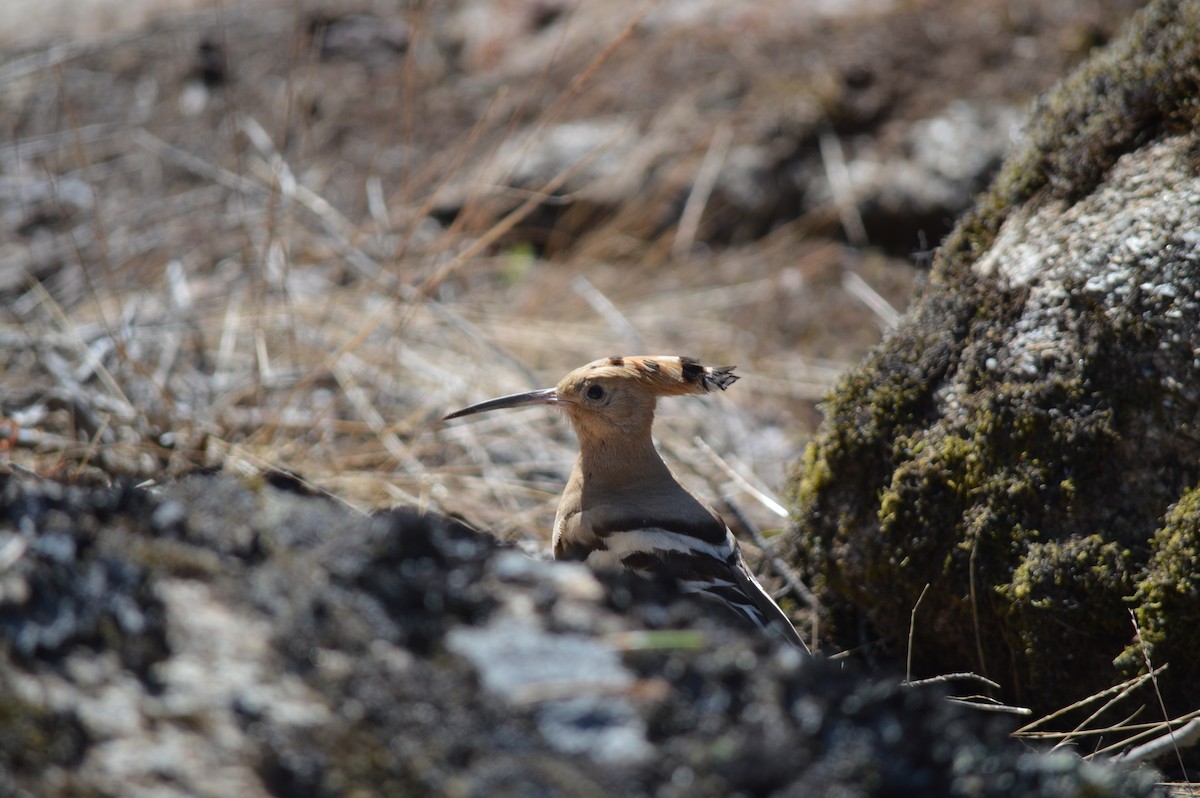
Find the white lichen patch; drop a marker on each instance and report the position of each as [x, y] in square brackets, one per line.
[186, 740]
[1129, 248]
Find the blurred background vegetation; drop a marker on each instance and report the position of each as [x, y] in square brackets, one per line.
[291, 235]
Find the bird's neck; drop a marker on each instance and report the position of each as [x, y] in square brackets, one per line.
[616, 478]
[619, 462]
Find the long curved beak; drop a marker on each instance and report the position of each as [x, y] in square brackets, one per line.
[546, 396]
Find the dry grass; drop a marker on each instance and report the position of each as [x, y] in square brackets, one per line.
[192, 288]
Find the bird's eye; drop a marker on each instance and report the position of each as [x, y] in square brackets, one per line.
[595, 392]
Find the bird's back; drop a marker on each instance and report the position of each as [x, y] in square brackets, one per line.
[666, 531]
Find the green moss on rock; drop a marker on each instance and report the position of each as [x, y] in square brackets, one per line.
[1015, 442]
[1167, 601]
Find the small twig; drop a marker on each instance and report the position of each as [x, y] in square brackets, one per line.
[1162, 705]
[227, 342]
[912, 627]
[196, 165]
[1183, 737]
[1150, 731]
[975, 606]
[706, 179]
[26, 472]
[860, 289]
[842, 188]
[377, 204]
[605, 308]
[168, 355]
[544, 691]
[985, 704]
[262, 355]
[1121, 726]
[980, 702]
[761, 496]
[951, 677]
[1124, 686]
[1103, 708]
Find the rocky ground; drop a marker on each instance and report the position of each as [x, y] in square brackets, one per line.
[214, 638]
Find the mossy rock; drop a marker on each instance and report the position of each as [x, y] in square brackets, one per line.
[1018, 441]
[1168, 595]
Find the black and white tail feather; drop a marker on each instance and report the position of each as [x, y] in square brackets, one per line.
[713, 570]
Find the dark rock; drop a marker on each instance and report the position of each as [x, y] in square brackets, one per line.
[408, 654]
[66, 582]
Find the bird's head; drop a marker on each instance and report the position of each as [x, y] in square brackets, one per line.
[617, 395]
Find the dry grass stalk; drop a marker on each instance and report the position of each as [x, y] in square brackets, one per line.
[1122, 738]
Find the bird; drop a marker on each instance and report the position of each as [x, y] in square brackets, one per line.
[622, 506]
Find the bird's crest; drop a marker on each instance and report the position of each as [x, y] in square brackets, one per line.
[665, 375]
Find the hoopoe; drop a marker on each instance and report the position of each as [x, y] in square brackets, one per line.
[622, 506]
